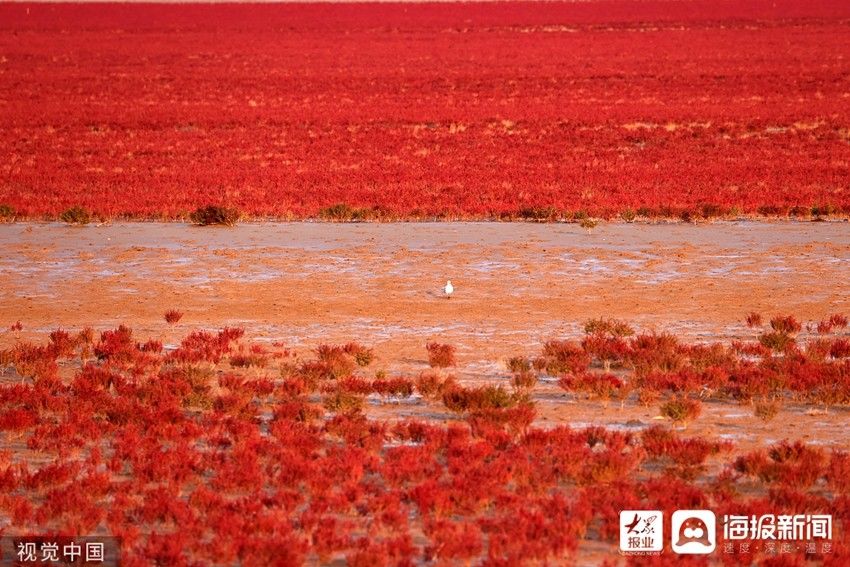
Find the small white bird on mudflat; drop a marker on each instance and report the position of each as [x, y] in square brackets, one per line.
[449, 289]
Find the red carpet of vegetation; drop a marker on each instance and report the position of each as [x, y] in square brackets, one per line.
[220, 451]
[413, 110]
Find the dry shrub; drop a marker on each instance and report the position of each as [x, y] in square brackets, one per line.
[518, 364]
[214, 215]
[7, 213]
[648, 396]
[754, 320]
[524, 381]
[334, 361]
[777, 341]
[818, 349]
[363, 356]
[251, 359]
[431, 385]
[609, 327]
[766, 410]
[786, 324]
[547, 214]
[459, 399]
[172, 316]
[339, 212]
[524, 378]
[835, 321]
[681, 409]
[342, 401]
[76, 216]
[351, 384]
[441, 355]
[86, 336]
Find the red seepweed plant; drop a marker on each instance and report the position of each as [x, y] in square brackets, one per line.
[139, 442]
[441, 355]
[172, 316]
[754, 320]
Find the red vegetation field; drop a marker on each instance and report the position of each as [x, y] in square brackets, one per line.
[220, 451]
[544, 110]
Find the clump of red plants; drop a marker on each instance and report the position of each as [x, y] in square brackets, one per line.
[248, 454]
[172, 316]
[441, 355]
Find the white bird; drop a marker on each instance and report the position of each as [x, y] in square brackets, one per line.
[449, 289]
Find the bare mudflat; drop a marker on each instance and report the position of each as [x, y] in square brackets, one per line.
[517, 285]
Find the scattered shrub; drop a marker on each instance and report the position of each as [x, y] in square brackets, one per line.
[588, 223]
[681, 409]
[431, 385]
[835, 321]
[401, 387]
[608, 327]
[214, 215]
[519, 364]
[648, 396]
[685, 455]
[787, 324]
[76, 216]
[524, 381]
[754, 320]
[560, 357]
[766, 410]
[597, 386]
[334, 362]
[256, 357]
[838, 321]
[777, 341]
[459, 399]
[493, 423]
[840, 348]
[341, 401]
[362, 356]
[7, 213]
[655, 352]
[204, 346]
[540, 214]
[172, 316]
[338, 212]
[441, 355]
